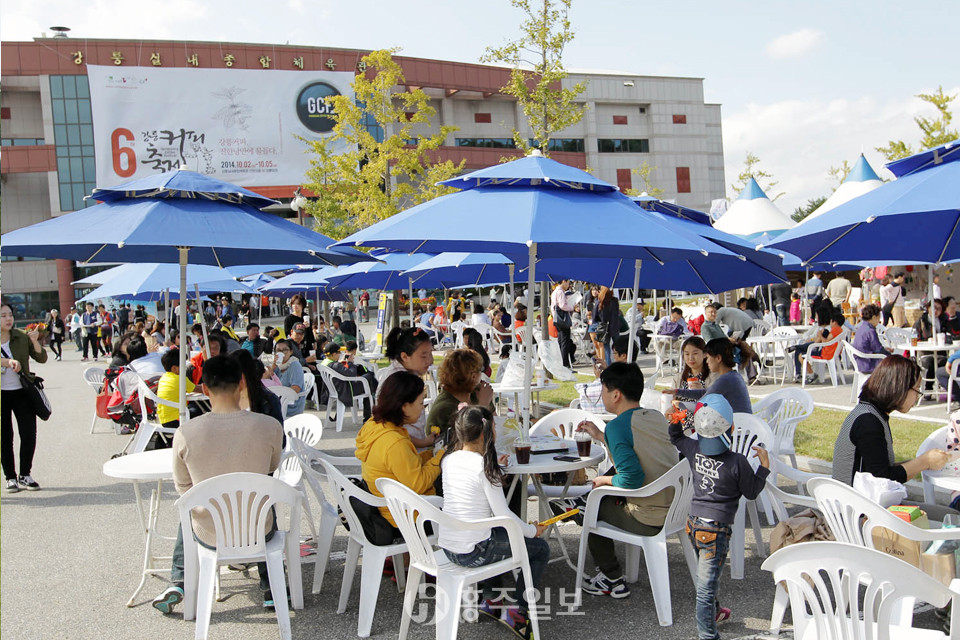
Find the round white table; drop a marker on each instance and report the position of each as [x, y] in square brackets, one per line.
[147, 466]
[927, 346]
[947, 481]
[768, 345]
[545, 463]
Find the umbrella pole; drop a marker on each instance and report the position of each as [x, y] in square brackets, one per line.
[317, 323]
[806, 298]
[166, 310]
[932, 309]
[183, 322]
[410, 282]
[528, 345]
[633, 303]
[510, 268]
[655, 311]
[203, 327]
[770, 304]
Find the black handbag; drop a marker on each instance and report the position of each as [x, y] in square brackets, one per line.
[38, 398]
[561, 318]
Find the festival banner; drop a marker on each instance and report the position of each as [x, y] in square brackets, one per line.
[239, 125]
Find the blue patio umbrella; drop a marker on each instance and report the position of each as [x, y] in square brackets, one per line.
[189, 218]
[304, 283]
[383, 274]
[915, 218]
[535, 208]
[146, 278]
[257, 280]
[453, 269]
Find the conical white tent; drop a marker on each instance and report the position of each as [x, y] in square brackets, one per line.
[861, 179]
[752, 214]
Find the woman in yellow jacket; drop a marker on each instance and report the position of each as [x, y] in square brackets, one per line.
[386, 451]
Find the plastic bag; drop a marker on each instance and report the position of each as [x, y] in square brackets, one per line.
[883, 491]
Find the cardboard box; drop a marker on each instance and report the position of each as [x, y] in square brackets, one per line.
[940, 566]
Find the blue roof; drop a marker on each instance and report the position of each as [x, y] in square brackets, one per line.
[182, 184]
[533, 170]
[752, 191]
[861, 172]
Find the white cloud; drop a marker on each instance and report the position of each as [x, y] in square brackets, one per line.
[798, 141]
[792, 45]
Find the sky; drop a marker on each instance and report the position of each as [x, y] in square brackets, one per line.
[803, 85]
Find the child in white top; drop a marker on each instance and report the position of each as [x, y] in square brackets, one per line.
[473, 490]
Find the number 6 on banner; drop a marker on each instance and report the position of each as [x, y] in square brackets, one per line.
[119, 152]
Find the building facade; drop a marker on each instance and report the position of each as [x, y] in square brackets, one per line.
[47, 161]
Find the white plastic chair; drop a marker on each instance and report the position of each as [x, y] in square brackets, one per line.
[328, 375]
[953, 379]
[677, 479]
[148, 426]
[412, 512]
[831, 365]
[456, 328]
[558, 423]
[783, 411]
[240, 505]
[761, 328]
[936, 440]
[432, 332]
[287, 397]
[840, 591]
[329, 519]
[749, 431]
[487, 332]
[374, 556]
[96, 378]
[894, 337]
[859, 377]
[307, 428]
[309, 391]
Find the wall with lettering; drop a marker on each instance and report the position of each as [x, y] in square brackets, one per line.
[240, 125]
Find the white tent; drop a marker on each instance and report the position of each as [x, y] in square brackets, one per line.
[752, 214]
[861, 179]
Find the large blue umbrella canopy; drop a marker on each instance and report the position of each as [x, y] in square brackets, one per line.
[454, 269]
[385, 274]
[257, 280]
[304, 282]
[188, 218]
[915, 218]
[131, 280]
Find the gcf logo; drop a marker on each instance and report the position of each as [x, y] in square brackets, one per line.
[313, 111]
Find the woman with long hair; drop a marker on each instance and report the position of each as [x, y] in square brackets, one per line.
[472, 490]
[724, 377]
[16, 349]
[256, 398]
[606, 315]
[695, 373]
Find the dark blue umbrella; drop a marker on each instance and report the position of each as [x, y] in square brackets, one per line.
[453, 269]
[914, 218]
[176, 219]
[304, 282]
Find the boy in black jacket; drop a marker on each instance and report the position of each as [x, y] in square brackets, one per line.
[720, 478]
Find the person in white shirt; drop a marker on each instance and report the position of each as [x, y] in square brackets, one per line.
[936, 287]
[479, 316]
[561, 310]
[473, 482]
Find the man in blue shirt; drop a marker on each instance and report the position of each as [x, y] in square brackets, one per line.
[640, 447]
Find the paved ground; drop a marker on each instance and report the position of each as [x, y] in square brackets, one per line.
[72, 552]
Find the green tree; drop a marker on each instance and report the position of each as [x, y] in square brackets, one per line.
[812, 205]
[538, 73]
[375, 179]
[752, 170]
[936, 131]
[645, 171]
[839, 174]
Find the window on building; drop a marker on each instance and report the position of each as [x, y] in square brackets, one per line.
[683, 179]
[4, 113]
[73, 137]
[623, 145]
[679, 118]
[574, 145]
[496, 143]
[370, 123]
[481, 117]
[33, 306]
[21, 142]
[624, 179]
[643, 110]
[619, 119]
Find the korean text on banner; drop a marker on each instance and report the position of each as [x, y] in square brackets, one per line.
[239, 125]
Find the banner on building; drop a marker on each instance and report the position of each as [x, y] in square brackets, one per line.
[239, 125]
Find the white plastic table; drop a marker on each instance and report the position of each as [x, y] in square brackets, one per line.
[147, 466]
[948, 481]
[768, 345]
[545, 463]
[927, 346]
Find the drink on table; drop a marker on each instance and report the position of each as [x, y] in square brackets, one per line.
[522, 449]
[584, 442]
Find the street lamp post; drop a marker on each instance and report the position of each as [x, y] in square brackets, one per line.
[297, 204]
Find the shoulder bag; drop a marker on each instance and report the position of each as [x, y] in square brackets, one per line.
[34, 390]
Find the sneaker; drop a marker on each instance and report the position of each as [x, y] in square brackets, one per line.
[28, 483]
[561, 505]
[491, 608]
[517, 622]
[12, 485]
[601, 585]
[165, 602]
[723, 614]
[268, 602]
[84, 359]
